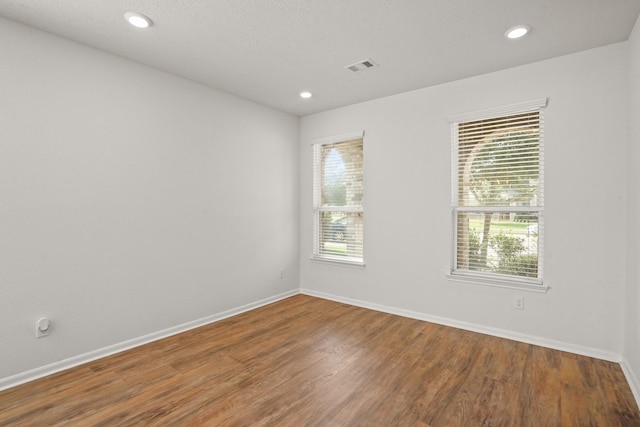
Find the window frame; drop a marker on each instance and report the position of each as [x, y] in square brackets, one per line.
[317, 254]
[483, 277]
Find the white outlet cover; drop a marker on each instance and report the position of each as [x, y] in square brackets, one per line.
[43, 327]
[518, 303]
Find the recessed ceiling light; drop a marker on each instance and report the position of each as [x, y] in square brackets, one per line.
[517, 31]
[306, 94]
[138, 20]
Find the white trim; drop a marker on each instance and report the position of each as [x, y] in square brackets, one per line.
[338, 138]
[632, 379]
[496, 332]
[506, 110]
[488, 280]
[500, 114]
[346, 209]
[318, 209]
[81, 359]
[15, 380]
[455, 158]
[347, 262]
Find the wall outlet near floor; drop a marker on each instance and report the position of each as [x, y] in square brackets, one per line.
[43, 327]
[282, 273]
[518, 303]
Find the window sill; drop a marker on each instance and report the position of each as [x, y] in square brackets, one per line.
[498, 283]
[338, 261]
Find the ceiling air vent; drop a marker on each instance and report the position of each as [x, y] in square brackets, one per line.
[362, 65]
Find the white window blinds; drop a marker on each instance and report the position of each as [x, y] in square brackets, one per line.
[338, 199]
[497, 201]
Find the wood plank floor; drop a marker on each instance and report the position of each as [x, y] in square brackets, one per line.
[305, 361]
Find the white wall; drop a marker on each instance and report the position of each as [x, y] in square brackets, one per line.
[632, 319]
[131, 200]
[407, 201]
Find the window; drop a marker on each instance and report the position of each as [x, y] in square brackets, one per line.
[497, 200]
[337, 199]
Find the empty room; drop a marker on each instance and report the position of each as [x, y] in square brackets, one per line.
[320, 213]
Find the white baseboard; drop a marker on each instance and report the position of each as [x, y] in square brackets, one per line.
[71, 362]
[496, 332]
[52, 368]
[632, 379]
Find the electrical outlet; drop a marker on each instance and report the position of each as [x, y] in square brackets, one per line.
[518, 303]
[282, 273]
[43, 327]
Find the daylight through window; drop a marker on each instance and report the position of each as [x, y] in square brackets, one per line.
[338, 197]
[498, 196]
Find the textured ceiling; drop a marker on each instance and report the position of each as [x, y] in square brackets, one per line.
[270, 50]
